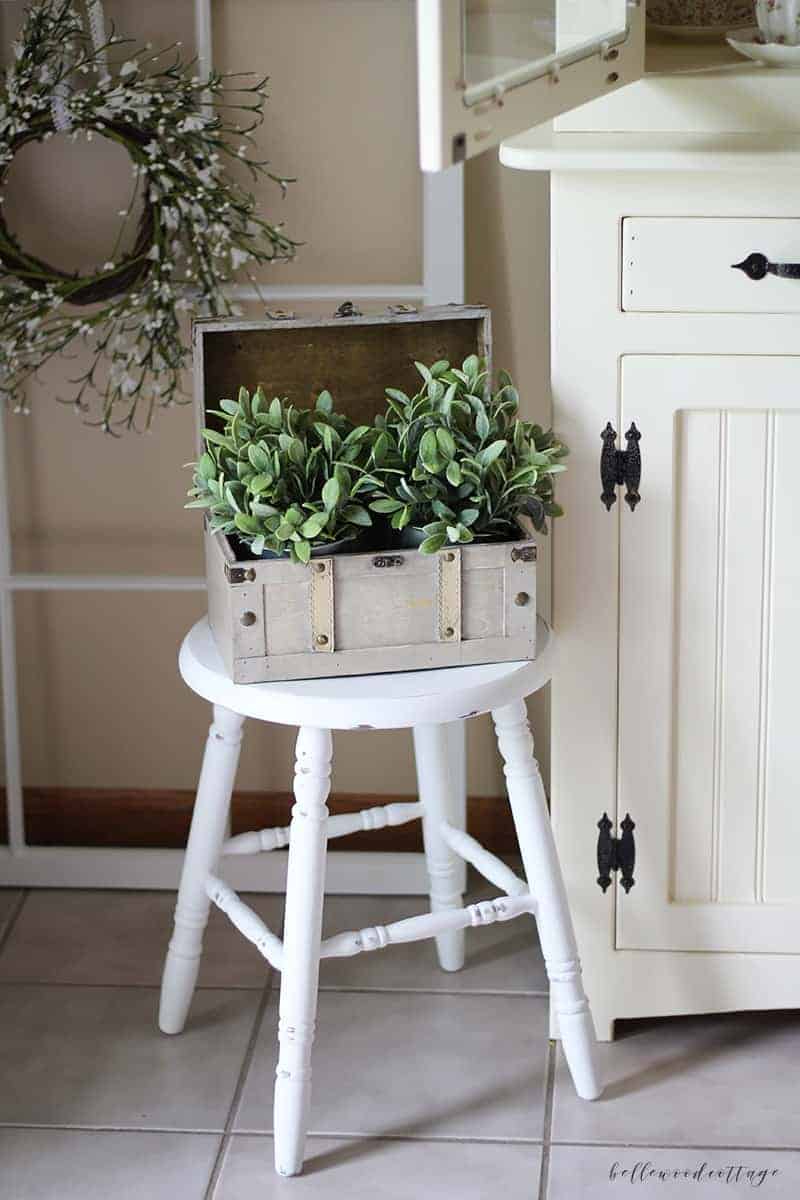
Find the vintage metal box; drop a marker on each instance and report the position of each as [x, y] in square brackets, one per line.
[352, 614]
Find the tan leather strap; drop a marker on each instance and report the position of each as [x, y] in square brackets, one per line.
[449, 598]
[322, 605]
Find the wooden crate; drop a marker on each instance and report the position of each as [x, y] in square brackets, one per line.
[352, 614]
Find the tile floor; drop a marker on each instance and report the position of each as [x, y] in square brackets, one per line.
[426, 1084]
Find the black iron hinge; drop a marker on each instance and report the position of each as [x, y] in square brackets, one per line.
[619, 467]
[616, 854]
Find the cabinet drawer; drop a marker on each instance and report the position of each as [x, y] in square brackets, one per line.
[684, 264]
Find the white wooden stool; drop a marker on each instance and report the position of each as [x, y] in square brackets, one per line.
[425, 701]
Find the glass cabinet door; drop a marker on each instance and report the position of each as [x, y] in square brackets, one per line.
[491, 68]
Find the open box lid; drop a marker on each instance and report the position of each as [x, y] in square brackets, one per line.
[355, 358]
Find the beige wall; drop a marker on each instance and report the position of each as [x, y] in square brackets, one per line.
[101, 701]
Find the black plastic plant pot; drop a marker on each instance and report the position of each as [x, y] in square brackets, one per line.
[351, 545]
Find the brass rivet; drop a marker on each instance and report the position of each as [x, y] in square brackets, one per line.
[248, 618]
[320, 566]
[322, 639]
[449, 632]
[612, 78]
[450, 556]
[521, 598]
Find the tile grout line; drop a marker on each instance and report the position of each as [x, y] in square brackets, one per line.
[244, 1070]
[253, 987]
[429, 1139]
[11, 919]
[656, 1145]
[268, 1135]
[340, 1135]
[547, 1123]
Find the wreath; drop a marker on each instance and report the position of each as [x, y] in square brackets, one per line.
[197, 226]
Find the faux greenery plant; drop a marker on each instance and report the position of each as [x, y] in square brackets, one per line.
[456, 460]
[282, 478]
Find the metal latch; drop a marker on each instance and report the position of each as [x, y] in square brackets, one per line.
[239, 574]
[348, 309]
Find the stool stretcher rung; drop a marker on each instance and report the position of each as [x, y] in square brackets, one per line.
[415, 929]
[489, 865]
[338, 826]
[246, 921]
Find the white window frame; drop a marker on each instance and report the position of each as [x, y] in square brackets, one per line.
[22, 865]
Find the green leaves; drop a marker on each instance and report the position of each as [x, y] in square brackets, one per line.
[454, 459]
[482, 426]
[331, 493]
[273, 473]
[433, 543]
[314, 524]
[458, 462]
[491, 453]
[429, 452]
[453, 473]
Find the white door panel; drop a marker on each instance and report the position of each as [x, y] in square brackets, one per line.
[489, 69]
[710, 654]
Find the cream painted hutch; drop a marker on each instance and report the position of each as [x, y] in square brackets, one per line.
[677, 696]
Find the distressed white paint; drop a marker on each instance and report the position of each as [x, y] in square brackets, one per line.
[441, 924]
[433, 782]
[302, 927]
[493, 869]
[209, 822]
[338, 826]
[328, 703]
[246, 921]
[364, 701]
[532, 822]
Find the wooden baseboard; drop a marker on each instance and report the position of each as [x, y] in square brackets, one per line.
[160, 818]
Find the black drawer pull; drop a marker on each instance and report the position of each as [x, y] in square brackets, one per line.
[756, 266]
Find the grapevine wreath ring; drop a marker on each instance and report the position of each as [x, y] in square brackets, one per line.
[198, 224]
[129, 271]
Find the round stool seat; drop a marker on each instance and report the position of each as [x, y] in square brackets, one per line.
[390, 701]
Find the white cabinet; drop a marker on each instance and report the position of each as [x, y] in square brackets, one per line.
[678, 621]
[709, 654]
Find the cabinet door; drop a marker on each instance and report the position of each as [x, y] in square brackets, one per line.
[709, 736]
[491, 68]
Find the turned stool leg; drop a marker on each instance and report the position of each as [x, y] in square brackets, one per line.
[543, 871]
[302, 928]
[439, 793]
[207, 833]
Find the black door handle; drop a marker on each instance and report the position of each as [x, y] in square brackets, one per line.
[757, 265]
